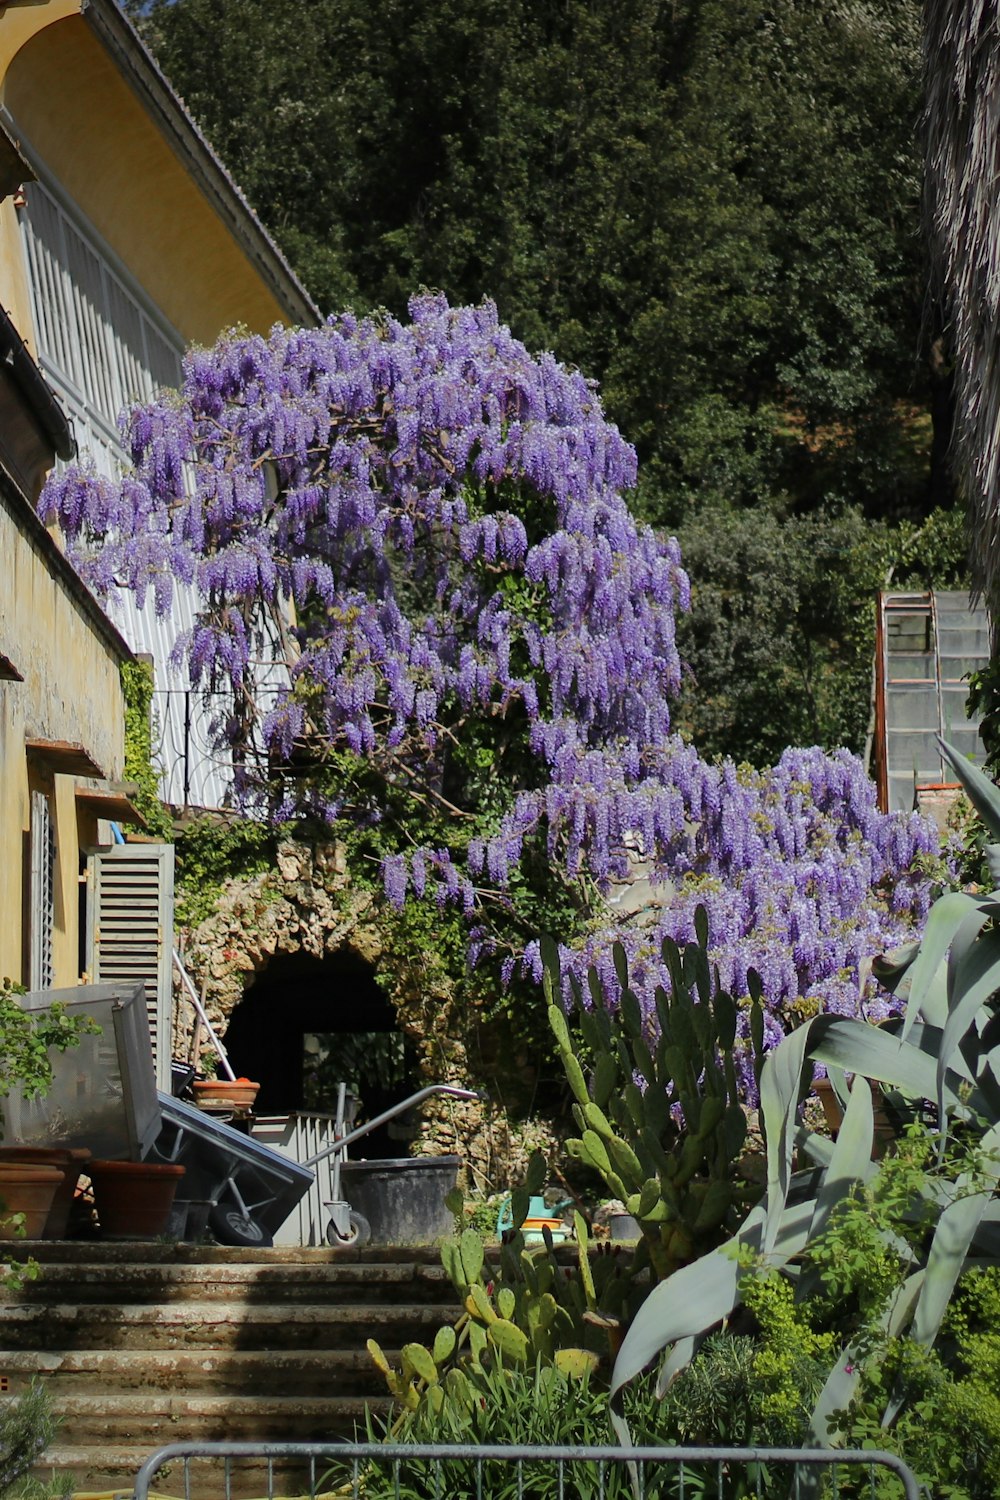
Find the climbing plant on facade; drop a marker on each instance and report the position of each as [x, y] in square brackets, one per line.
[441, 627]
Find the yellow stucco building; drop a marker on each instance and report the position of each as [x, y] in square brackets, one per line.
[122, 240]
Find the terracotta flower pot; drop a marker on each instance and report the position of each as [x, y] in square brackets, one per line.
[133, 1198]
[225, 1093]
[27, 1189]
[884, 1130]
[69, 1160]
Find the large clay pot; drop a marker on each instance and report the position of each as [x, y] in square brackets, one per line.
[133, 1198]
[69, 1160]
[27, 1189]
[225, 1093]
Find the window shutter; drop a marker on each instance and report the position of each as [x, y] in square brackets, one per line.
[130, 931]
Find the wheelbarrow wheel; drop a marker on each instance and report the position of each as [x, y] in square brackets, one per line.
[359, 1233]
[231, 1226]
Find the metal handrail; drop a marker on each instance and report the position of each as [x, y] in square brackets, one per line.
[399, 1454]
[342, 1142]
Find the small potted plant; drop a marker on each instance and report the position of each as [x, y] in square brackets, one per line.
[28, 1187]
[213, 1092]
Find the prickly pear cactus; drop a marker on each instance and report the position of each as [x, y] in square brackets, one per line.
[529, 1307]
[658, 1106]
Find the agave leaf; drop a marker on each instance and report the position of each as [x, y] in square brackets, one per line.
[944, 920]
[810, 1143]
[851, 1160]
[859, 1047]
[894, 973]
[779, 1093]
[963, 945]
[677, 1360]
[697, 1296]
[840, 1086]
[993, 863]
[979, 789]
[976, 978]
[954, 1234]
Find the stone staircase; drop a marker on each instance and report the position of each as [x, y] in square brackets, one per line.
[140, 1345]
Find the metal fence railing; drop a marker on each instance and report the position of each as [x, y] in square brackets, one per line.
[384, 1471]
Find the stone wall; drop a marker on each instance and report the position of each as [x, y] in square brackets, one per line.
[308, 903]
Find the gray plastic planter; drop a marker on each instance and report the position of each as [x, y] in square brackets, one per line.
[403, 1197]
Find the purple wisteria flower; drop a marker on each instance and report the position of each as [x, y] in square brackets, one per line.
[427, 523]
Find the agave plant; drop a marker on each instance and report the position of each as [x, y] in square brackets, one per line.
[942, 1055]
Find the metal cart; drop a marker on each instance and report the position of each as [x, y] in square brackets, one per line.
[252, 1188]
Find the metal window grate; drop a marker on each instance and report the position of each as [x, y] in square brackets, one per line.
[43, 863]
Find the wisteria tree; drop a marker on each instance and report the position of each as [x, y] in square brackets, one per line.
[425, 526]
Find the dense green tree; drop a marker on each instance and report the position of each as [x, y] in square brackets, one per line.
[711, 207]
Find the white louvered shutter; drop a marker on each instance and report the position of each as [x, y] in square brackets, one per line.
[130, 930]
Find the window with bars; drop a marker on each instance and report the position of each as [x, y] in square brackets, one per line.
[42, 898]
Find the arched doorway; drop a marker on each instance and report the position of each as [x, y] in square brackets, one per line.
[305, 1023]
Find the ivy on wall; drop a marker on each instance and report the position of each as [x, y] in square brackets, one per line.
[137, 687]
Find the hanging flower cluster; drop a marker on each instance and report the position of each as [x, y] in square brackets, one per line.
[425, 524]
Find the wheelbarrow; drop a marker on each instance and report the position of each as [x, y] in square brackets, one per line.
[251, 1188]
[346, 1226]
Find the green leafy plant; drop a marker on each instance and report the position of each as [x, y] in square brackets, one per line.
[660, 1113]
[26, 1429]
[137, 686]
[211, 851]
[28, 1037]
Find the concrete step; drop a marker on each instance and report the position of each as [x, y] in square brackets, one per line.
[141, 1345]
[312, 1283]
[155, 1419]
[305, 1372]
[215, 1325]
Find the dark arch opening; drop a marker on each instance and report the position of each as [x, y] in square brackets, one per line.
[305, 1023]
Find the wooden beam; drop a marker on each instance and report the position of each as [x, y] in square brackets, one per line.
[114, 806]
[8, 671]
[65, 758]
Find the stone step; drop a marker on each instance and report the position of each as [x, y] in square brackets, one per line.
[169, 1252]
[317, 1282]
[155, 1419]
[215, 1325]
[334, 1372]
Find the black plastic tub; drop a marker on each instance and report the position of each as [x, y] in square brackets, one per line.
[402, 1197]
